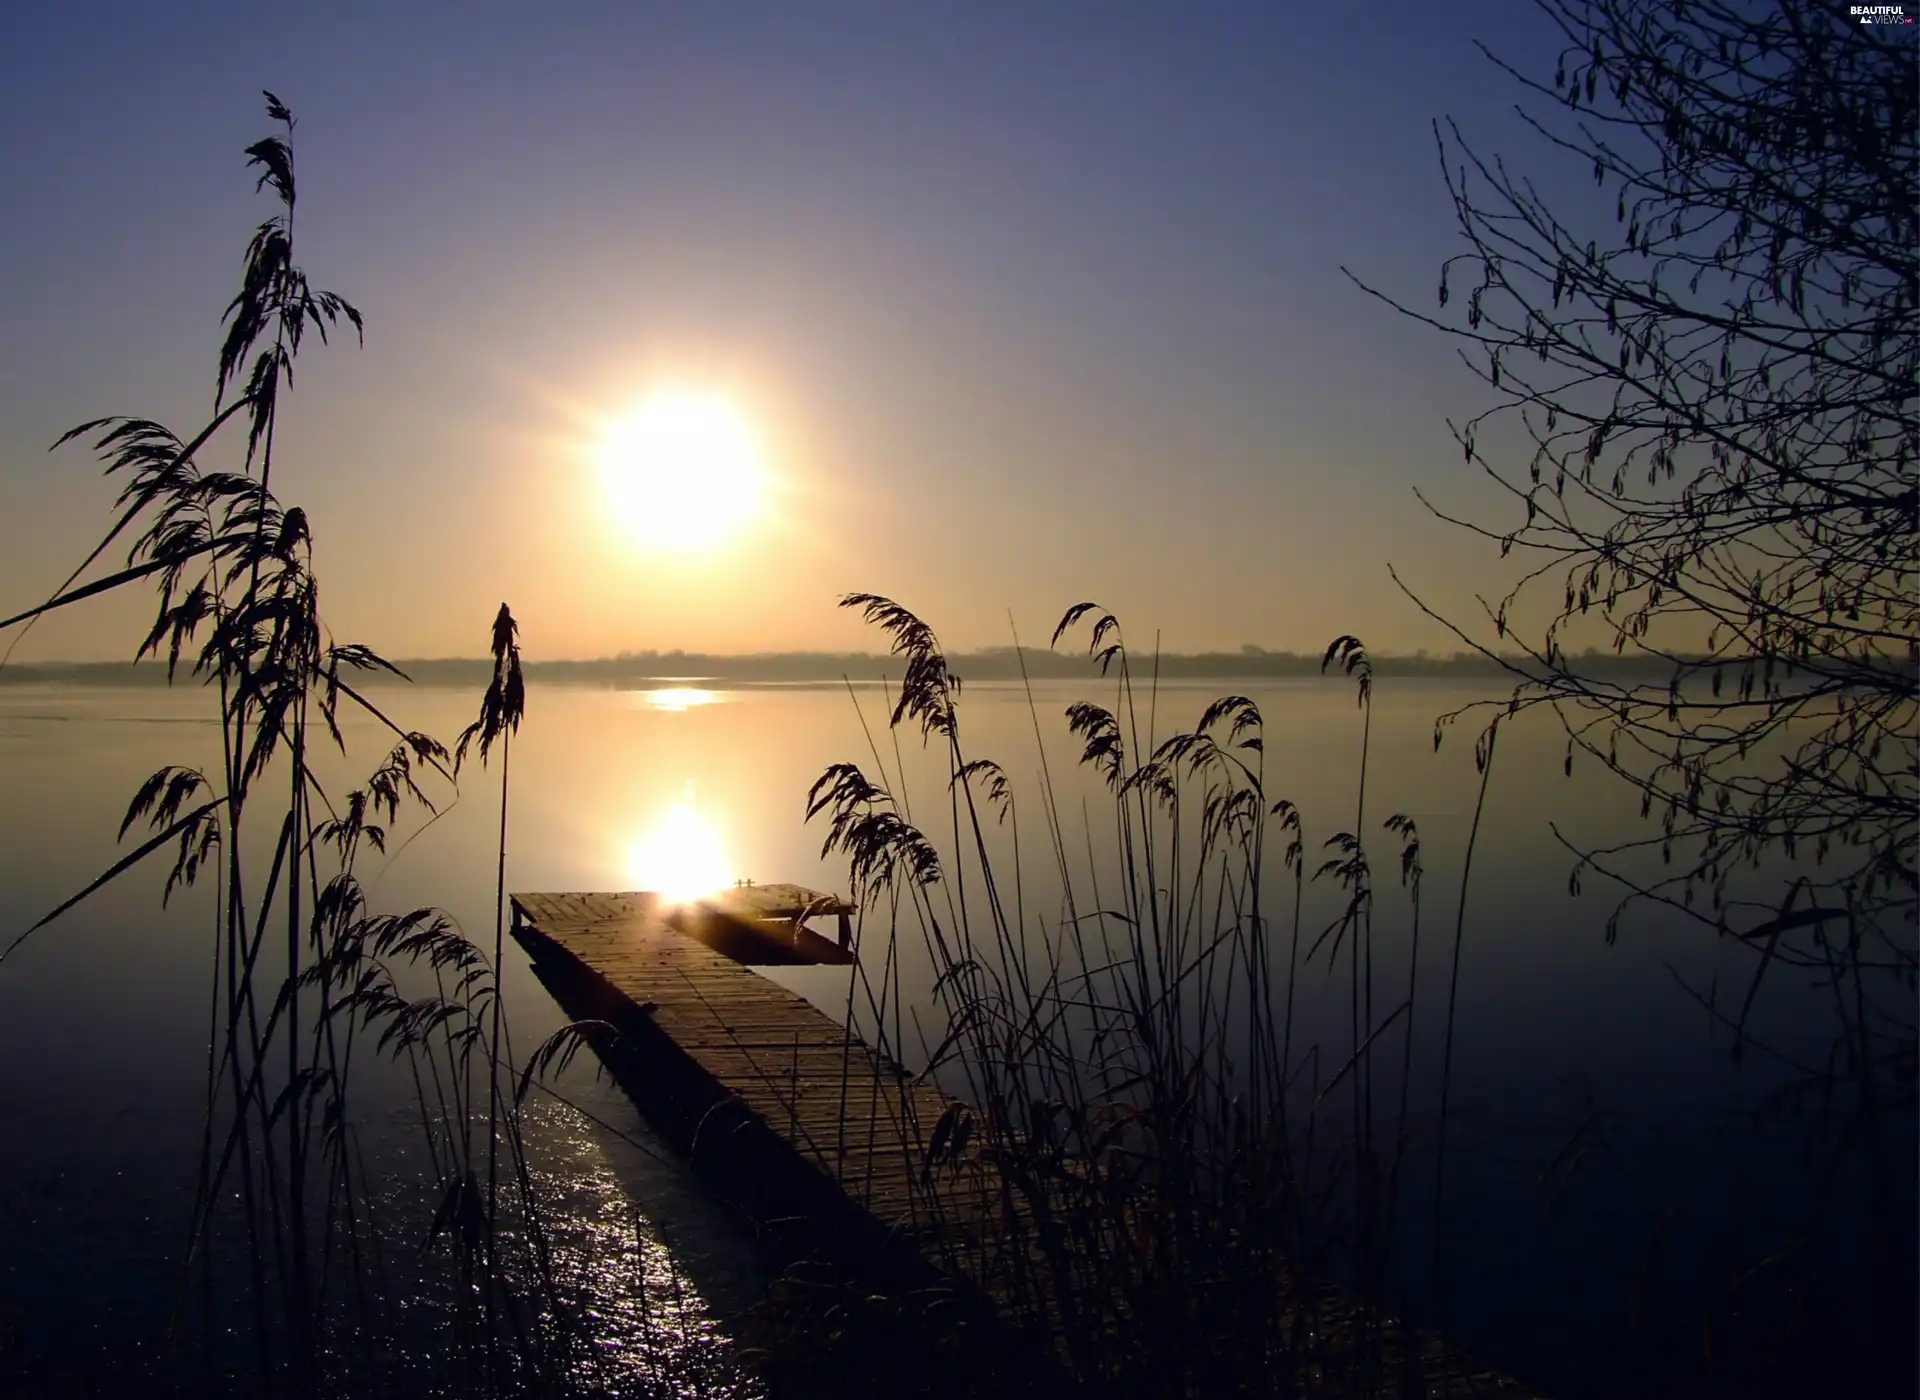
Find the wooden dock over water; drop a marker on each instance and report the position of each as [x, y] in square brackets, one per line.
[809, 1133]
[806, 1129]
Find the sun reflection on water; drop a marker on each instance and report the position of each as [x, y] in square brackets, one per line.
[683, 857]
[677, 698]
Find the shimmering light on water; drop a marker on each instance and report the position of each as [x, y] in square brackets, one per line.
[650, 1331]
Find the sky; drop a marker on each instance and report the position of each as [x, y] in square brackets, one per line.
[1020, 304]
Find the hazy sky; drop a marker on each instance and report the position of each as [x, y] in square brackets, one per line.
[1024, 303]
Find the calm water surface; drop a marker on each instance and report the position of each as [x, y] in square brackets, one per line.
[102, 1017]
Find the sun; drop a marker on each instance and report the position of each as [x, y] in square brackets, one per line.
[683, 469]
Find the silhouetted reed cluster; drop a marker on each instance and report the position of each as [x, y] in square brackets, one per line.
[1152, 1164]
[339, 1281]
[1159, 1183]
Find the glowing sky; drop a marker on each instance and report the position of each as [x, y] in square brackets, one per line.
[1023, 303]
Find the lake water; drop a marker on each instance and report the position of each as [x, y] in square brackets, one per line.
[103, 1016]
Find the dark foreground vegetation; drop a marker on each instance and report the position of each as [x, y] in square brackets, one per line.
[288, 1282]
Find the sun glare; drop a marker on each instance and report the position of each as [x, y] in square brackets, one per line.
[682, 470]
[682, 858]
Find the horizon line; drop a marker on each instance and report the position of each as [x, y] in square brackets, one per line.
[1232, 662]
[1244, 653]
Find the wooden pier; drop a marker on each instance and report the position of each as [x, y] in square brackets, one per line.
[803, 1127]
[820, 1142]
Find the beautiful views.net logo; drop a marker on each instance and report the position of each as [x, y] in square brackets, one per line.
[1880, 14]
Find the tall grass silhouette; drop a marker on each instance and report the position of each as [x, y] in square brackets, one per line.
[1185, 1193]
[1173, 1197]
[309, 983]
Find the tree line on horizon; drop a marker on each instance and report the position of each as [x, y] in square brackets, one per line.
[991, 663]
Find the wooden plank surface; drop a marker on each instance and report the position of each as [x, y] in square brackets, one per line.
[778, 901]
[851, 1113]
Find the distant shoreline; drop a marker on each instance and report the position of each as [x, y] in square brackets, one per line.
[647, 670]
